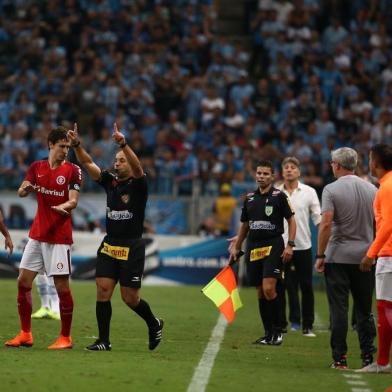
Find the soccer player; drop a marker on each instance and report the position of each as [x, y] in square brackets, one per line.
[345, 233]
[121, 254]
[299, 270]
[381, 167]
[49, 299]
[262, 218]
[56, 183]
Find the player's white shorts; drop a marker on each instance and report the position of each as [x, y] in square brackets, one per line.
[42, 257]
[384, 278]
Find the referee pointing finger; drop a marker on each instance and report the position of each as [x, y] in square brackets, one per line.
[121, 254]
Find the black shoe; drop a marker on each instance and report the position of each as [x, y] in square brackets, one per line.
[308, 332]
[99, 346]
[277, 339]
[367, 359]
[264, 340]
[284, 329]
[340, 364]
[155, 335]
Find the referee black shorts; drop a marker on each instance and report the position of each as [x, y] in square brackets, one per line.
[263, 260]
[121, 260]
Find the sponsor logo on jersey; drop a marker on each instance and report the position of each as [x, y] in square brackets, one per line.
[51, 192]
[261, 225]
[119, 215]
[60, 266]
[60, 180]
[125, 198]
[260, 253]
[275, 193]
[76, 187]
[116, 252]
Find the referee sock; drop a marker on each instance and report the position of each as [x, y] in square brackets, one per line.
[384, 329]
[103, 311]
[265, 315]
[144, 311]
[66, 310]
[275, 314]
[25, 307]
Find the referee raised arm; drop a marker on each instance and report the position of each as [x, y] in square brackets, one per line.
[121, 254]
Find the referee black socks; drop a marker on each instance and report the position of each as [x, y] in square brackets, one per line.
[144, 311]
[103, 312]
[265, 315]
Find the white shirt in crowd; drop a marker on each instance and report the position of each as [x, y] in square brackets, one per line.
[306, 205]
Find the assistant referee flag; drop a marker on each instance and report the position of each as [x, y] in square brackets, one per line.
[223, 292]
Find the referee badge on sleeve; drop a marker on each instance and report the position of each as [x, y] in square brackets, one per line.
[269, 210]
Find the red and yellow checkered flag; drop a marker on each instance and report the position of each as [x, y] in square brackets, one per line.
[223, 292]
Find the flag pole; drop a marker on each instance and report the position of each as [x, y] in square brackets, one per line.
[240, 254]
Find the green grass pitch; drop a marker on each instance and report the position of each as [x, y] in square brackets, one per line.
[300, 364]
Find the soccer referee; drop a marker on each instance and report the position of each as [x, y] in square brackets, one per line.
[262, 222]
[121, 254]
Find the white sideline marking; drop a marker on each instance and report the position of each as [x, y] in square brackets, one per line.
[361, 390]
[203, 370]
[356, 382]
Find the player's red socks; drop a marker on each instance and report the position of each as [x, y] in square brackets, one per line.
[66, 310]
[25, 307]
[384, 328]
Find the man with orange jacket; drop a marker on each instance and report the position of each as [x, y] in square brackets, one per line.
[380, 163]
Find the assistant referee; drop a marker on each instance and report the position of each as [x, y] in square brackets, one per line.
[262, 222]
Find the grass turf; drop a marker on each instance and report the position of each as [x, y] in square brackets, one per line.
[300, 364]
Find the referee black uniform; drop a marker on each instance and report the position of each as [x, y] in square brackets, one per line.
[121, 254]
[265, 214]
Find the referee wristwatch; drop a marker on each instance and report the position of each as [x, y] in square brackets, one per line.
[291, 243]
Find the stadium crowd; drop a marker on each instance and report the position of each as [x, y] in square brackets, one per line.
[195, 105]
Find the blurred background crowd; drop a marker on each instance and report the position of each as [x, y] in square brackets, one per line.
[198, 107]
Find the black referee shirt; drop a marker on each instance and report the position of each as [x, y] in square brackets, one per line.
[266, 213]
[125, 205]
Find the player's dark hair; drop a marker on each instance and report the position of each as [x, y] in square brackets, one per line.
[382, 153]
[59, 133]
[265, 163]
